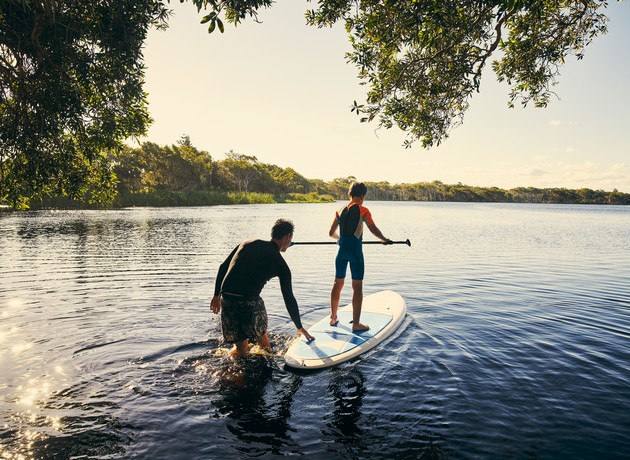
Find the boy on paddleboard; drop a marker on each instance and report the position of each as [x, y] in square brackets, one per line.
[240, 280]
[349, 220]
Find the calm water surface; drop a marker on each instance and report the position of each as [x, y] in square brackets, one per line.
[516, 342]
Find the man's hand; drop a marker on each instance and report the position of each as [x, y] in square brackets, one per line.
[215, 304]
[305, 333]
[387, 241]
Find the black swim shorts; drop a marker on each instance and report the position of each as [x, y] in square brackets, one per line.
[243, 319]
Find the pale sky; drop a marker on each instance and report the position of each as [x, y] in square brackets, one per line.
[281, 91]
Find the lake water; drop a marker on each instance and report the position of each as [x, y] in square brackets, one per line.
[516, 344]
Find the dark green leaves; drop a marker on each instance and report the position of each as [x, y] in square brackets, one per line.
[214, 21]
[70, 93]
[234, 11]
[422, 60]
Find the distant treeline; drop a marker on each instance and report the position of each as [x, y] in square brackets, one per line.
[437, 191]
[182, 175]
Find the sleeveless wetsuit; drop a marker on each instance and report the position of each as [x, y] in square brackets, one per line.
[350, 220]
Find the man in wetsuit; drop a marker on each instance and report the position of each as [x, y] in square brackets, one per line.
[240, 280]
[349, 220]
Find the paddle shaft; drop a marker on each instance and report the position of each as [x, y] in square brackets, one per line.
[407, 242]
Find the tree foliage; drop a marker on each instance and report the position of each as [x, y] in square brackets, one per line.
[182, 167]
[234, 11]
[151, 168]
[422, 60]
[180, 174]
[71, 76]
[154, 168]
[438, 191]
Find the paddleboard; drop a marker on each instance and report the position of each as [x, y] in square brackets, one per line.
[383, 311]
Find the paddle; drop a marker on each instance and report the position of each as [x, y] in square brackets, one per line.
[407, 242]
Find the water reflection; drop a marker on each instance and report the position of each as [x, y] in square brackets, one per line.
[347, 388]
[48, 422]
[257, 401]
[520, 327]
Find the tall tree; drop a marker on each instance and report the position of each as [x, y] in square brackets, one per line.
[243, 170]
[152, 167]
[71, 76]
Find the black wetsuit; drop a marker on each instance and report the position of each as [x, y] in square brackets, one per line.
[248, 268]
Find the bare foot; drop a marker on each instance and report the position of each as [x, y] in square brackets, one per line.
[236, 353]
[334, 321]
[360, 328]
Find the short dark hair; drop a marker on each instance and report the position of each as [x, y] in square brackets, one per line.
[357, 189]
[282, 228]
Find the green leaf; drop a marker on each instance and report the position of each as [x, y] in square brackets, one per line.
[212, 26]
[208, 18]
[220, 24]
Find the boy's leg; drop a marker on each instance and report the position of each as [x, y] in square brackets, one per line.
[335, 295]
[357, 304]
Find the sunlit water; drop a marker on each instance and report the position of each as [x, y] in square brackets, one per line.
[516, 343]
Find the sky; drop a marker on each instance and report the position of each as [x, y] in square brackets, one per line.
[281, 91]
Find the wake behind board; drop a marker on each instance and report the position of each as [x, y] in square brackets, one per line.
[382, 311]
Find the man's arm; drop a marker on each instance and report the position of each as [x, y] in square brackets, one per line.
[287, 294]
[289, 299]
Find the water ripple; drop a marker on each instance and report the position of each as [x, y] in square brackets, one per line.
[515, 343]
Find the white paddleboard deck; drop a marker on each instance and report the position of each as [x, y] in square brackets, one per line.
[383, 311]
